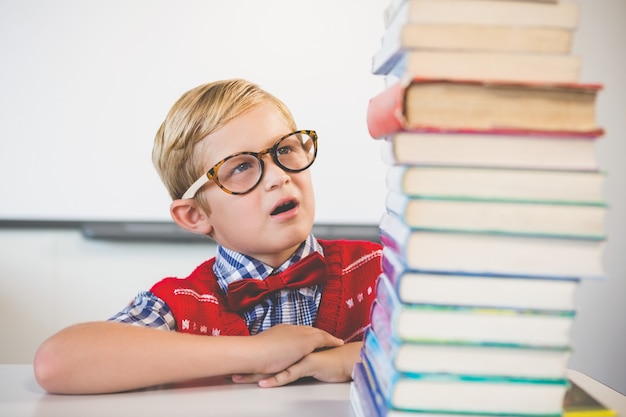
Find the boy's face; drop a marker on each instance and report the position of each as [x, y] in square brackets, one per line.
[248, 223]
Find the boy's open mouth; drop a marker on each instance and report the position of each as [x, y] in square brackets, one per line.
[289, 205]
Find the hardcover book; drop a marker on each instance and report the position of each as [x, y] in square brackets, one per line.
[513, 218]
[538, 151]
[475, 290]
[473, 325]
[492, 254]
[423, 104]
[478, 65]
[552, 13]
[367, 401]
[432, 393]
[474, 37]
[513, 185]
[466, 359]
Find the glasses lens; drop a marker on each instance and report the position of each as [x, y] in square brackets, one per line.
[239, 173]
[296, 152]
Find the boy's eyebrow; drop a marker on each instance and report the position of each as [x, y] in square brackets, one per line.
[270, 143]
[207, 151]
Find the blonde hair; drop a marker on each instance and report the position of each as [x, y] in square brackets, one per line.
[196, 114]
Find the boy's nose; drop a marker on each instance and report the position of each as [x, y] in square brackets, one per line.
[274, 176]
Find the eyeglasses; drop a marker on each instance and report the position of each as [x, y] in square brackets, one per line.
[242, 172]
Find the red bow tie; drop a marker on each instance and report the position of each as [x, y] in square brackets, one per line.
[307, 272]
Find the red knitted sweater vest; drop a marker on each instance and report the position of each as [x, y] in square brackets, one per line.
[199, 305]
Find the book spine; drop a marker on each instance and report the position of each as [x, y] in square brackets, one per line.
[397, 203]
[388, 304]
[379, 367]
[385, 112]
[372, 382]
[366, 399]
[394, 234]
[380, 325]
[392, 266]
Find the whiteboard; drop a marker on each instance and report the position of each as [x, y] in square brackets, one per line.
[86, 84]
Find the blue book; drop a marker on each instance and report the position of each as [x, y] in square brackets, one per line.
[469, 325]
[475, 290]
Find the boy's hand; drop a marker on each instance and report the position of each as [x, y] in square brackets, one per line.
[281, 346]
[328, 365]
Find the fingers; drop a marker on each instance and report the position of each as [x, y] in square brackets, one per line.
[335, 341]
[285, 377]
[323, 339]
[327, 365]
[289, 375]
[248, 378]
[306, 334]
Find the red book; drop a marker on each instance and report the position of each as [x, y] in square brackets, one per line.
[471, 106]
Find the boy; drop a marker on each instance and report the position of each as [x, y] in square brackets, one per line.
[236, 168]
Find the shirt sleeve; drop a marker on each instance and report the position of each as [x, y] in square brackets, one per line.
[147, 310]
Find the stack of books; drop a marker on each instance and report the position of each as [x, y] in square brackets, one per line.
[494, 211]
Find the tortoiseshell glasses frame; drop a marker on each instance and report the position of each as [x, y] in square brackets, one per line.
[240, 173]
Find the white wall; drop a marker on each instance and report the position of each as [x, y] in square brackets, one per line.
[53, 278]
[600, 329]
[50, 279]
[86, 83]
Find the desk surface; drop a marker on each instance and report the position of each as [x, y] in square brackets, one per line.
[21, 396]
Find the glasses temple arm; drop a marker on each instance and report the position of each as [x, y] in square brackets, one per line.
[191, 191]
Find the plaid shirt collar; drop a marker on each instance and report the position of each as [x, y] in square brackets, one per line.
[231, 266]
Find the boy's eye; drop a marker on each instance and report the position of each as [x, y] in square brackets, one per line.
[239, 168]
[284, 150]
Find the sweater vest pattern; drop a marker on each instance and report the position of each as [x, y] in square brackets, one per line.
[199, 305]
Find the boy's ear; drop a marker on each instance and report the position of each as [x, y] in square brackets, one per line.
[188, 215]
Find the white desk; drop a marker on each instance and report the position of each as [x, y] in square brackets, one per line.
[21, 396]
